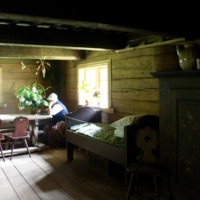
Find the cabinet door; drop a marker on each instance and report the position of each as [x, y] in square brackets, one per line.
[184, 137]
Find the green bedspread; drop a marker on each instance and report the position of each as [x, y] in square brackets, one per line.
[101, 131]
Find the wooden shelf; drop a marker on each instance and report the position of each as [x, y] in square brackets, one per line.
[167, 74]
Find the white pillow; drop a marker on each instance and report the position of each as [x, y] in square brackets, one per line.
[125, 121]
[119, 132]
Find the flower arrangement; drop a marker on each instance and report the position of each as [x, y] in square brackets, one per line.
[91, 94]
[31, 96]
[97, 94]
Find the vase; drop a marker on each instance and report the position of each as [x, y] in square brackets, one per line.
[86, 102]
[35, 111]
[187, 54]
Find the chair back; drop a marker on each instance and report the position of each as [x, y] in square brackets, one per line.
[1, 123]
[147, 141]
[20, 124]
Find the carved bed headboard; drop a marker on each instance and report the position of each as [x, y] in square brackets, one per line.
[83, 114]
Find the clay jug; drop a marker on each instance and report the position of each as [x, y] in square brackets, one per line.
[187, 54]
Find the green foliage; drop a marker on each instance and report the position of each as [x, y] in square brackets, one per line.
[31, 96]
[85, 87]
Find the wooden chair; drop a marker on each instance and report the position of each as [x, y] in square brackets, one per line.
[20, 133]
[147, 168]
[1, 138]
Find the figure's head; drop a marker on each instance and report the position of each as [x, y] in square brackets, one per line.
[53, 97]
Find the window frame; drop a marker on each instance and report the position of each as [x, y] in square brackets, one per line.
[96, 64]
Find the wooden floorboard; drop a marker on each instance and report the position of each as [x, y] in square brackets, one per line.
[48, 176]
[7, 191]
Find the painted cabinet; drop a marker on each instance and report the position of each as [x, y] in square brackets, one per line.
[179, 107]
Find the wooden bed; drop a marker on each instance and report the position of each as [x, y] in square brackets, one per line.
[120, 155]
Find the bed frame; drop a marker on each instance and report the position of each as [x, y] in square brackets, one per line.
[118, 155]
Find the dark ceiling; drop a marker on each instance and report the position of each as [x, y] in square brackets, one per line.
[96, 25]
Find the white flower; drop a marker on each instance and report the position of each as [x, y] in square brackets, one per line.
[28, 103]
[34, 89]
[34, 97]
[22, 99]
[21, 108]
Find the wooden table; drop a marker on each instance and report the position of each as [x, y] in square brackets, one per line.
[34, 122]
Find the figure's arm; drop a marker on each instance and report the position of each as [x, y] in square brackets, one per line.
[50, 107]
[53, 110]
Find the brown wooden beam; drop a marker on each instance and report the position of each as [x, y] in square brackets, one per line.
[28, 52]
[62, 38]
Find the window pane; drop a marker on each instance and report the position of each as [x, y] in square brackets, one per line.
[96, 77]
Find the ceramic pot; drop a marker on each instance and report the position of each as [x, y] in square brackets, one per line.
[35, 111]
[187, 54]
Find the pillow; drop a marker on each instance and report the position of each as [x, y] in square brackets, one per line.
[119, 132]
[125, 121]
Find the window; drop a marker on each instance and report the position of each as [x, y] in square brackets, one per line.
[94, 84]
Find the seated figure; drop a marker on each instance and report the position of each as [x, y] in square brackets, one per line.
[55, 131]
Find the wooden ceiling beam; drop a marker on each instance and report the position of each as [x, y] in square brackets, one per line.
[83, 40]
[23, 52]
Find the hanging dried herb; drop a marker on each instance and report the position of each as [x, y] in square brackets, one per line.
[43, 66]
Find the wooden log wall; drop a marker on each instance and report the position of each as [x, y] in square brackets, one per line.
[134, 89]
[12, 77]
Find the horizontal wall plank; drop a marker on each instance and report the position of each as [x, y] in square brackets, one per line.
[135, 107]
[139, 95]
[129, 84]
[130, 73]
[142, 62]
